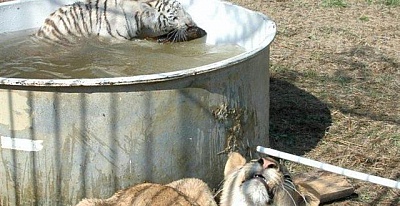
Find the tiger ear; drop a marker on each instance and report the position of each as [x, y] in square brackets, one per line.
[234, 162]
[147, 10]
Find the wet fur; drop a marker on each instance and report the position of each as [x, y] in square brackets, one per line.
[242, 189]
[117, 19]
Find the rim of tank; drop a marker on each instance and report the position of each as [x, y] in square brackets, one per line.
[149, 78]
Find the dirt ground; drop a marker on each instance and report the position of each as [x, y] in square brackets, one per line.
[335, 82]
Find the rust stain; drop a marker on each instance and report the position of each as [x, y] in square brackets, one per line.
[233, 119]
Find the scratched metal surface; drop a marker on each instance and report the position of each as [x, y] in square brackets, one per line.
[62, 140]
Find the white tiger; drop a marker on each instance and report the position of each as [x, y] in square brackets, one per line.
[120, 19]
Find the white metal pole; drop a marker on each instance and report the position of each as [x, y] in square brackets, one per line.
[330, 168]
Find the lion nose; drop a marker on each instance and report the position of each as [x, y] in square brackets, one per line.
[267, 164]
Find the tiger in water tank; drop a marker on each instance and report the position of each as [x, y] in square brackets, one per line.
[164, 20]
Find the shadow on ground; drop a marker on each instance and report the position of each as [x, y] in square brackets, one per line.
[298, 120]
[370, 79]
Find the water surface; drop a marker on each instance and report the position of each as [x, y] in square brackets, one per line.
[22, 56]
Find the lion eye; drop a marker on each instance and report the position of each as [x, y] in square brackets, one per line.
[175, 18]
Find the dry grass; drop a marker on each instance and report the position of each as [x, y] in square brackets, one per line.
[335, 82]
[335, 87]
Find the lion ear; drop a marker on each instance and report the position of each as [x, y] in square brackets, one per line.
[234, 162]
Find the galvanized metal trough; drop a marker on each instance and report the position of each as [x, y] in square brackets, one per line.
[65, 139]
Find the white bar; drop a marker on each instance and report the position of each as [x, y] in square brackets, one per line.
[330, 168]
[21, 144]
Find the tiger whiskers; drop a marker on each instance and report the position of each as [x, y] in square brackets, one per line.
[291, 197]
[219, 191]
[290, 184]
[180, 35]
[177, 35]
[171, 35]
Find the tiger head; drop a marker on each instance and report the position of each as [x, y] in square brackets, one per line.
[168, 17]
[261, 182]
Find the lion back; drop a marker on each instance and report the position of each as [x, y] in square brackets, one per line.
[185, 192]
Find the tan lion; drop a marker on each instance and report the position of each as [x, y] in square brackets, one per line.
[262, 182]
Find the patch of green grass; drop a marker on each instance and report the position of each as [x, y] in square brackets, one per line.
[343, 80]
[365, 197]
[369, 1]
[364, 18]
[334, 3]
[338, 79]
[311, 74]
[385, 2]
[396, 140]
[277, 68]
[392, 2]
